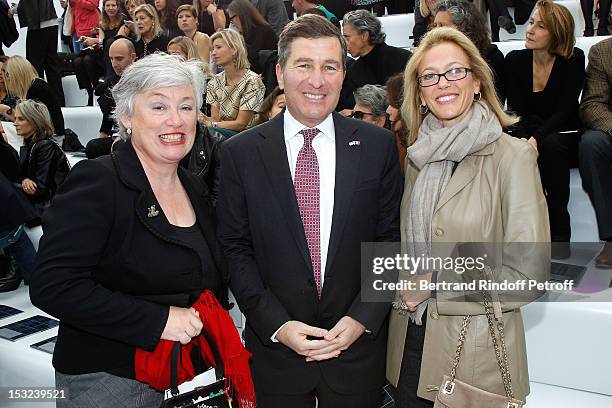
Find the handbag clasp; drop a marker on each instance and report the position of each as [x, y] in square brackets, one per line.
[449, 387]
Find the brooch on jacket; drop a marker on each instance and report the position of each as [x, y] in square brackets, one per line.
[152, 212]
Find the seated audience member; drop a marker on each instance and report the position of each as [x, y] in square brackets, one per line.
[271, 106]
[274, 12]
[258, 34]
[187, 18]
[152, 38]
[235, 95]
[122, 54]
[43, 165]
[371, 105]
[423, 18]
[395, 86]
[85, 19]
[128, 29]
[210, 17]
[543, 82]
[7, 101]
[603, 17]
[301, 6]
[166, 11]
[377, 60]
[596, 143]
[184, 47]
[465, 17]
[115, 314]
[22, 82]
[89, 65]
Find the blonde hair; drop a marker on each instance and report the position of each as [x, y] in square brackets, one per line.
[20, 75]
[559, 22]
[150, 11]
[187, 46]
[38, 115]
[235, 41]
[480, 70]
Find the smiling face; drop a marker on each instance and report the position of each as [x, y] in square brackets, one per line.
[187, 23]
[163, 124]
[537, 37]
[447, 100]
[357, 43]
[144, 23]
[312, 78]
[222, 54]
[23, 127]
[110, 8]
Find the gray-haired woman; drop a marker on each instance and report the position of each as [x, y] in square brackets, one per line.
[43, 165]
[129, 242]
[377, 60]
[371, 105]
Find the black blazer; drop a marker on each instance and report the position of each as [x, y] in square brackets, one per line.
[271, 274]
[555, 108]
[108, 271]
[374, 68]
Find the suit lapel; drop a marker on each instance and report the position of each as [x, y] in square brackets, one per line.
[273, 153]
[347, 172]
[464, 174]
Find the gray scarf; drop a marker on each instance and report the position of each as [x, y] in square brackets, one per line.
[434, 153]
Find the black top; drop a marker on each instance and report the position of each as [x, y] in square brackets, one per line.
[553, 109]
[111, 277]
[206, 24]
[159, 43]
[44, 163]
[260, 38]
[106, 102]
[374, 68]
[42, 92]
[9, 161]
[495, 59]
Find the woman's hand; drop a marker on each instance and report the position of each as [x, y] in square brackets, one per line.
[182, 325]
[412, 298]
[28, 186]
[211, 8]
[90, 42]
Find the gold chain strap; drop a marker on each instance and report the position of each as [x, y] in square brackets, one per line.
[501, 355]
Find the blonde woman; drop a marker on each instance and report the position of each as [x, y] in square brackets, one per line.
[128, 29]
[466, 182]
[151, 34]
[22, 82]
[235, 95]
[187, 18]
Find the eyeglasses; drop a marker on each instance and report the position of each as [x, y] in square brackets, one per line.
[359, 114]
[453, 74]
[231, 19]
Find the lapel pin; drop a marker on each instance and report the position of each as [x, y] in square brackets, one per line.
[355, 143]
[152, 212]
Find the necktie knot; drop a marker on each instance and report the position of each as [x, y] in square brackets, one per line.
[309, 134]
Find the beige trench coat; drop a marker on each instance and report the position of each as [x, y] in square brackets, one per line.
[495, 195]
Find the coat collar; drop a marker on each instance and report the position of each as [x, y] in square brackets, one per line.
[149, 211]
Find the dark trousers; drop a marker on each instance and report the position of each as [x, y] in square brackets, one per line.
[558, 153]
[604, 13]
[595, 158]
[41, 51]
[327, 398]
[410, 372]
[400, 6]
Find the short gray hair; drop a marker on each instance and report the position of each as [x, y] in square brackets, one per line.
[374, 97]
[363, 20]
[158, 70]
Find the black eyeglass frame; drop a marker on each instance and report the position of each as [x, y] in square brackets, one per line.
[444, 75]
[359, 115]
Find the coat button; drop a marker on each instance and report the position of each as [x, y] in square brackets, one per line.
[439, 232]
[434, 315]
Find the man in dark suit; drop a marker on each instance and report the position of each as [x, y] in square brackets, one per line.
[298, 195]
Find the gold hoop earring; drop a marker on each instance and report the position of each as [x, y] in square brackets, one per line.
[477, 96]
[423, 109]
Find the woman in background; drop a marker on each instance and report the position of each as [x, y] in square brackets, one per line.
[166, 11]
[395, 86]
[235, 95]
[271, 106]
[211, 18]
[187, 18]
[543, 84]
[152, 38]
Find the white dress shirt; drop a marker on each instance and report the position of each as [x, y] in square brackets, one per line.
[324, 145]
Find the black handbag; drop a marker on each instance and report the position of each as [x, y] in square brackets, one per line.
[214, 395]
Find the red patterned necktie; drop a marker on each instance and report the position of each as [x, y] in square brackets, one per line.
[306, 183]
